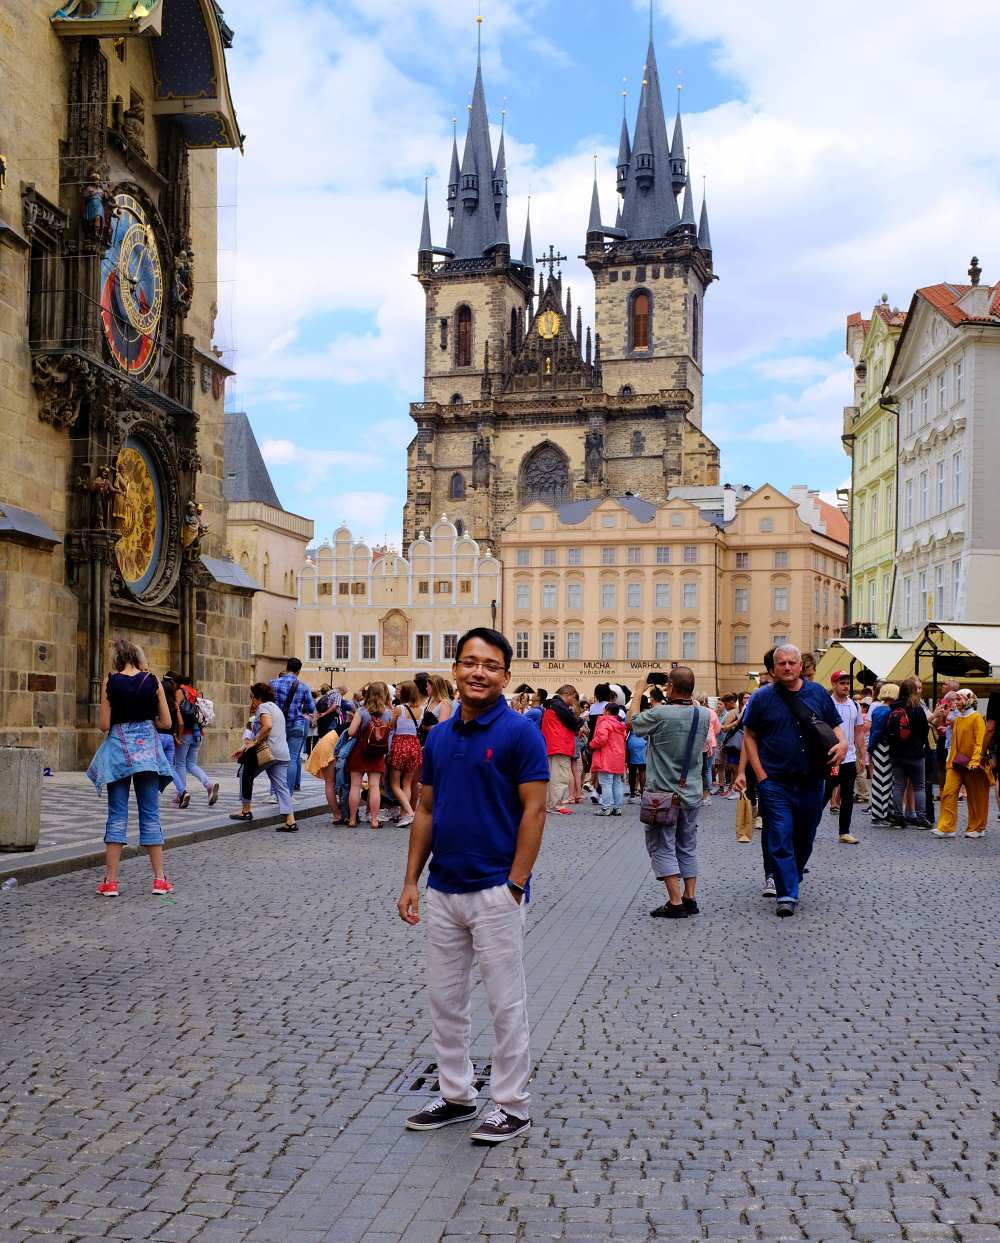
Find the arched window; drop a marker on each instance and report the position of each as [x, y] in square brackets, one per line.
[695, 328]
[638, 445]
[545, 476]
[456, 399]
[640, 320]
[266, 572]
[245, 561]
[284, 640]
[513, 330]
[456, 492]
[463, 333]
[264, 636]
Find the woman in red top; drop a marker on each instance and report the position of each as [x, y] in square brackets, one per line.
[608, 747]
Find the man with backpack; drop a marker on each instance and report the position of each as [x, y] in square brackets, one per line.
[196, 713]
[296, 703]
[560, 726]
[793, 736]
[906, 733]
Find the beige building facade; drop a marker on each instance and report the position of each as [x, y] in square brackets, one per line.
[269, 545]
[111, 396]
[367, 614]
[610, 589]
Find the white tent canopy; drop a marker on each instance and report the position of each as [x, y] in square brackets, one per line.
[881, 656]
[982, 641]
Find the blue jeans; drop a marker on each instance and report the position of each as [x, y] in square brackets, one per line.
[612, 790]
[791, 817]
[169, 750]
[296, 735]
[147, 797]
[187, 760]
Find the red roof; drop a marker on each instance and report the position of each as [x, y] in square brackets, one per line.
[893, 316]
[836, 524]
[855, 320]
[945, 298]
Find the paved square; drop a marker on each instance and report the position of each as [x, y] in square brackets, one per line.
[219, 1066]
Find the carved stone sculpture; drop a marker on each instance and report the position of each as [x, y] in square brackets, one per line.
[135, 125]
[192, 530]
[64, 382]
[594, 454]
[183, 280]
[97, 206]
[481, 462]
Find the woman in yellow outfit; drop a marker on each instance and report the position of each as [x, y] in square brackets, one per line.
[969, 767]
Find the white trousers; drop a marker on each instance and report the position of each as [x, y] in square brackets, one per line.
[488, 925]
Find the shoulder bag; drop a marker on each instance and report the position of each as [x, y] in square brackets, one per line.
[816, 734]
[660, 810]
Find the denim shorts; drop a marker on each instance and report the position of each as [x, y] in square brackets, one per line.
[147, 797]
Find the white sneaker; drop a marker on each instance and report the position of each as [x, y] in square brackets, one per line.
[975, 833]
[769, 890]
[403, 821]
[707, 801]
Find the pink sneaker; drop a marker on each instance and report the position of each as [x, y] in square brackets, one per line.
[161, 885]
[108, 888]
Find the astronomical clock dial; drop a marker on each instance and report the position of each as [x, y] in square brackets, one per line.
[548, 325]
[139, 503]
[132, 290]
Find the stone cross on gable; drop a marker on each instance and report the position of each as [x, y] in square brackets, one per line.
[553, 259]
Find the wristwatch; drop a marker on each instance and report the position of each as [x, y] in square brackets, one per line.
[515, 888]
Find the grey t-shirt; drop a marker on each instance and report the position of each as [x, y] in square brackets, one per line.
[277, 739]
[666, 728]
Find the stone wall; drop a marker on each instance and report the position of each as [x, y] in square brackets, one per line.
[222, 666]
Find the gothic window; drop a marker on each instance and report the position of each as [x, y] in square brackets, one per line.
[456, 491]
[456, 399]
[463, 331]
[263, 637]
[638, 446]
[545, 476]
[284, 640]
[639, 320]
[443, 326]
[267, 570]
[695, 328]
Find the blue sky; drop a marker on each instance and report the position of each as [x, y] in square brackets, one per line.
[846, 152]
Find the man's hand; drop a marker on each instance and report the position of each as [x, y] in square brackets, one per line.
[740, 783]
[837, 753]
[409, 904]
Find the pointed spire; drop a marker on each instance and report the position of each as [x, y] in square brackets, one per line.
[500, 173]
[541, 283]
[650, 208]
[678, 171]
[569, 306]
[579, 326]
[687, 215]
[590, 347]
[594, 224]
[502, 231]
[704, 237]
[425, 227]
[618, 217]
[453, 175]
[624, 156]
[451, 230]
[475, 228]
[527, 254]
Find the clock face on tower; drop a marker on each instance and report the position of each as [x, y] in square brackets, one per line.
[132, 290]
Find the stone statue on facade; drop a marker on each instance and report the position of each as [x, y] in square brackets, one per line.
[193, 529]
[594, 454]
[134, 125]
[97, 206]
[184, 279]
[480, 462]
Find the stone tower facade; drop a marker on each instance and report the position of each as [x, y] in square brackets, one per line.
[519, 404]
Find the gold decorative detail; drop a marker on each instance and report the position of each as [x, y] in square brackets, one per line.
[139, 517]
[548, 325]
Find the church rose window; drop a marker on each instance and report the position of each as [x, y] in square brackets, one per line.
[640, 321]
[464, 332]
[545, 477]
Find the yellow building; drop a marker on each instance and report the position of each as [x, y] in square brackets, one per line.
[368, 614]
[606, 589]
[112, 429]
[269, 545]
[870, 441]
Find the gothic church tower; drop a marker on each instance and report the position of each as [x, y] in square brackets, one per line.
[519, 403]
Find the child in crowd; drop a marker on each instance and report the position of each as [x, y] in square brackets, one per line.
[608, 747]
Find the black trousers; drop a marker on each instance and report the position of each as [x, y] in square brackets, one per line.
[845, 780]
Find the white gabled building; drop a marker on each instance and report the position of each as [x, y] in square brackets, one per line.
[946, 377]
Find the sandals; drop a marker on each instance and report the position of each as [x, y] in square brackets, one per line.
[241, 815]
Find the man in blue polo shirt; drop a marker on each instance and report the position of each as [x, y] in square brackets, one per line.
[479, 821]
[791, 782]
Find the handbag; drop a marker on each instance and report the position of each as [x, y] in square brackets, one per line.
[659, 810]
[816, 734]
[744, 819]
[263, 752]
[960, 760]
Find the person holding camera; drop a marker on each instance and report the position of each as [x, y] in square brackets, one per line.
[793, 737]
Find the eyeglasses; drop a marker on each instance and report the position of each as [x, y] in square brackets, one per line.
[470, 665]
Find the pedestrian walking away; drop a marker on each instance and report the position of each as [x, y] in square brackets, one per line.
[845, 778]
[169, 736]
[793, 736]
[191, 710]
[295, 702]
[370, 727]
[405, 754]
[133, 709]
[906, 732]
[265, 749]
[880, 802]
[479, 822]
[675, 733]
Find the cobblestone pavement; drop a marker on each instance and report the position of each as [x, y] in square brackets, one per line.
[221, 1066]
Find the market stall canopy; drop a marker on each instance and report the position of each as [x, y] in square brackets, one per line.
[881, 656]
[983, 641]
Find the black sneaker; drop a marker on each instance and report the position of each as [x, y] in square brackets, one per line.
[497, 1126]
[667, 911]
[441, 1113]
[691, 906]
[784, 909]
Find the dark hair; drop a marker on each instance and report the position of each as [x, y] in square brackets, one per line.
[656, 695]
[682, 679]
[658, 679]
[491, 637]
[613, 710]
[406, 692]
[422, 682]
[602, 691]
[729, 697]
[293, 664]
[769, 659]
[524, 689]
[262, 692]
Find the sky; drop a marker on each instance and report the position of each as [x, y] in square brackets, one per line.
[847, 150]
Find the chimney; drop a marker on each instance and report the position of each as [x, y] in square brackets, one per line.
[728, 503]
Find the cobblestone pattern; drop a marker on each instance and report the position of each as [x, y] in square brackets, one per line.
[216, 1067]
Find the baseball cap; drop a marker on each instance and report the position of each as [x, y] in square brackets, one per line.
[841, 673]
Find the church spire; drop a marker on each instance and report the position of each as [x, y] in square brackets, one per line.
[650, 208]
[687, 215]
[704, 237]
[425, 226]
[624, 156]
[594, 225]
[455, 172]
[527, 254]
[475, 228]
[678, 171]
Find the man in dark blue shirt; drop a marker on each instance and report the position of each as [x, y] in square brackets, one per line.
[790, 784]
[479, 821]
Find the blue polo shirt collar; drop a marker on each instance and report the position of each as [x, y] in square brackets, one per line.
[484, 719]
